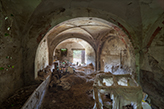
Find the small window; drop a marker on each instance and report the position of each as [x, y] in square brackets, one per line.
[63, 52]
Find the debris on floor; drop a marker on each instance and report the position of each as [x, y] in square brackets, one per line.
[17, 100]
[70, 91]
[42, 74]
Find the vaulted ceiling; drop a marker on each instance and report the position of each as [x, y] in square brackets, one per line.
[24, 23]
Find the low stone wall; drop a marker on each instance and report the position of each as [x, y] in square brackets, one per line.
[35, 100]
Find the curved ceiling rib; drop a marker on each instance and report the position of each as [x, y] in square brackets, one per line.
[72, 31]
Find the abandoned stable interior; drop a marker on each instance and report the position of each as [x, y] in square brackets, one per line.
[81, 54]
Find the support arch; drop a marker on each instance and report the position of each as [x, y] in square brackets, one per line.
[93, 30]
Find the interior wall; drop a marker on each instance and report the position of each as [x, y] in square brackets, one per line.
[115, 57]
[94, 30]
[157, 48]
[35, 21]
[42, 56]
[152, 67]
[90, 56]
[36, 17]
[89, 53]
[11, 68]
[78, 44]
[70, 46]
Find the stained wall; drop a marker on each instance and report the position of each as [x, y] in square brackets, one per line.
[42, 56]
[115, 57]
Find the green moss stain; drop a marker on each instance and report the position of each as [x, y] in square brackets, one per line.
[6, 34]
[12, 15]
[1, 68]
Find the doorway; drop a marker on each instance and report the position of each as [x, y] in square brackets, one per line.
[79, 56]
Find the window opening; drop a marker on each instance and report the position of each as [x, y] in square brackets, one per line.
[63, 52]
[78, 57]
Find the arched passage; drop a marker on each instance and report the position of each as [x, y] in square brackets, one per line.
[95, 31]
[75, 44]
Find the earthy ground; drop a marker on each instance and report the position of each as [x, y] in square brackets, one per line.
[17, 100]
[79, 96]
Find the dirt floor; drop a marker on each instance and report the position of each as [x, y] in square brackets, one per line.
[79, 96]
[17, 100]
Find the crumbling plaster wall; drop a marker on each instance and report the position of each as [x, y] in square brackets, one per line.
[90, 55]
[116, 58]
[79, 44]
[36, 17]
[49, 13]
[91, 29]
[152, 67]
[11, 68]
[151, 11]
[70, 46]
[42, 56]
[151, 53]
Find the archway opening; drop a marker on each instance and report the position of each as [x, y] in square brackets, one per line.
[109, 50]
[79, 56]
[73, 51]
[94, 31]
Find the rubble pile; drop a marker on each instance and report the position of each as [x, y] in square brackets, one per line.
[17, 100]
[84, 68]
[42, 74]
[70, 90]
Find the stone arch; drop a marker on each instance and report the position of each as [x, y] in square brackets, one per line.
[91, 29]
[153, 31]
[75, 43]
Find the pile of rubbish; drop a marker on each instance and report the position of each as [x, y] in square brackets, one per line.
[66, 79]
[92, 89]
[70, 90]
[42, 74]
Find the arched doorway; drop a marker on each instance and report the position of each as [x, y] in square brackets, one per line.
[77, 49]
[95, 31]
